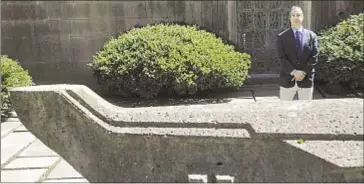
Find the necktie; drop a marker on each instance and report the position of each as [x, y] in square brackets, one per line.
[298, 43]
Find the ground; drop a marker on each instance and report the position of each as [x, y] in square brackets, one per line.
[24, 158]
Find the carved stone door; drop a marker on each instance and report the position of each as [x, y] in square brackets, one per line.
[258, 24]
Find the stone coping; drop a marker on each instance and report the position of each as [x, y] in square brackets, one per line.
[325, 119]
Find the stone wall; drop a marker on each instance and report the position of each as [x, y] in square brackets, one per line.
[327, 13]
[247, 141]
[55, 40]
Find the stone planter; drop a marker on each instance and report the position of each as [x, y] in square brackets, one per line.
[247, 142]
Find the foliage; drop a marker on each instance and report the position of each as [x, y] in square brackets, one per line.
[341, 52]
[169, 59]
[12, 75]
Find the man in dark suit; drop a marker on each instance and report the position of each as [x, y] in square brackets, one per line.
[297, 52]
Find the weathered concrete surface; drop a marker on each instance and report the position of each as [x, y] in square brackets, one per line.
[250, 141]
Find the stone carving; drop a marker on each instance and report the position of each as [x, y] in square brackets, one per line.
[261, 21]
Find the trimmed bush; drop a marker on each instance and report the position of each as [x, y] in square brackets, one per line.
[169, 59]
[12, 75]
[341, 53]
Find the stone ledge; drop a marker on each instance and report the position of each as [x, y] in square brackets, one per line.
[317, 116]
[106, 143]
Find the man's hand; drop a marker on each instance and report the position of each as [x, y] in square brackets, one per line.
[299, 75]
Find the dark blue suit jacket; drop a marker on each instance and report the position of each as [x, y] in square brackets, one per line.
[289, 60]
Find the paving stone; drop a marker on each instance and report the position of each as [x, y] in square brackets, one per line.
[13, 143]
[8, 127]
[29, 175]
[81, 180]
[31, 162]
[37, 149]
[21, 129]
[12, 120]
[64, 170]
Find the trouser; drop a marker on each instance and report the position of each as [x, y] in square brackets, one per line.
[287, 94]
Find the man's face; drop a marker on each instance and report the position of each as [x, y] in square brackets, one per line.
[296, 17]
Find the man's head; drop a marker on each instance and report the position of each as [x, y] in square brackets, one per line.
[296, 16]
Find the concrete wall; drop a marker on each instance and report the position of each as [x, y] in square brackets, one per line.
[106, 143]
[55, 40]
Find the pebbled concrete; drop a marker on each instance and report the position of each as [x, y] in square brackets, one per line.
[298, 117]
[246, 140]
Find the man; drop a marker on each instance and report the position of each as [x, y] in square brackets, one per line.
[297, 52]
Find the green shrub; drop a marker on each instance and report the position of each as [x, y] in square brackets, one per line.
[169, 59]
[12, 75]
[341, 53]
